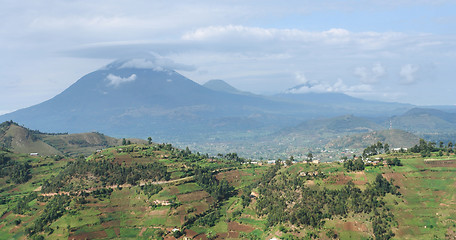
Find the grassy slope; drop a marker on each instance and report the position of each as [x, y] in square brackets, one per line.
[23, 140]
[425, 210]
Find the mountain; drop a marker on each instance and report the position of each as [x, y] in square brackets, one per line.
[222, 86]
[336, 125]
[134, 98]
[137, 98]
[20, 139]
[342, 103]
[394, 137]
[425, 120]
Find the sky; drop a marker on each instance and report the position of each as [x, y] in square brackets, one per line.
[386, 50]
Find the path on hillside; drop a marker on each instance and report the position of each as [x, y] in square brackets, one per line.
[185, 179]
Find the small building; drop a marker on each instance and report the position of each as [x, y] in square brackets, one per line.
[315, 161]
[399, 149]
[33, 154]
[162, 203]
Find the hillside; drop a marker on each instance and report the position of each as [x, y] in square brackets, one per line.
[336, 125]
[23, 140]
[157, 191]
[394, 137]
[425, 120]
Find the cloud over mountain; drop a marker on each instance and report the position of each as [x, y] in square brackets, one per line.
[116, 80]
[256, 45]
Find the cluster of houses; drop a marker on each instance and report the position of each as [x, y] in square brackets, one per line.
[311, 174]
[162, 202]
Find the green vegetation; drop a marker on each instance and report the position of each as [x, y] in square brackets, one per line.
[141, 191]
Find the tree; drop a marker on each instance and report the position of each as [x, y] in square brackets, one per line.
[210, 234]
[149, 140]
[309, 157]
[386, 147]
[289, 161]
[124, 141]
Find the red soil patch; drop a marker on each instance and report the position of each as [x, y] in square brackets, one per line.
[360, 175]
[127, 159]
[339, 179]
[441, 163]
[108, 210]
[222, 235]
[310, 183]
[13, 190]
[90, 235]
[237, 227]
[117, 231]
[201, 207]
[173, 190]
[201, 237]
[450, 234]
[234, 177]
[142, 231]
[110, 224]
[190, 233]
[193, 196]
[6, 215]
[406, 230]
[398, 179]
[354, 226]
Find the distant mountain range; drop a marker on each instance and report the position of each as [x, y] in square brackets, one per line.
[135, 98]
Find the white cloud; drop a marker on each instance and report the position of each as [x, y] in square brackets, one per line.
[142, 63]
[232, 34]
[116, 80]
[241, 40]
[338, 87]
[301, 78]
[408, 73]
[370, 76]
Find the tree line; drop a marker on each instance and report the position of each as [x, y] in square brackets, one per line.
[19, 172]
[284, 198]
[108, 172]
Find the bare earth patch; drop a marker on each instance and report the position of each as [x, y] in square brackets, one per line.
[354, 226]
[158, 212]
[237, 227]
[233, 177]
[193, 196]
[339, 179]
[91, 235]
[110, 224]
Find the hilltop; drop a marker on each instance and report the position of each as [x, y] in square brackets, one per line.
[20, 139]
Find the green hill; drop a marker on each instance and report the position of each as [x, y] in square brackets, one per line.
[159, 192]
[156, 191]
[394, 137]
[23, 140]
